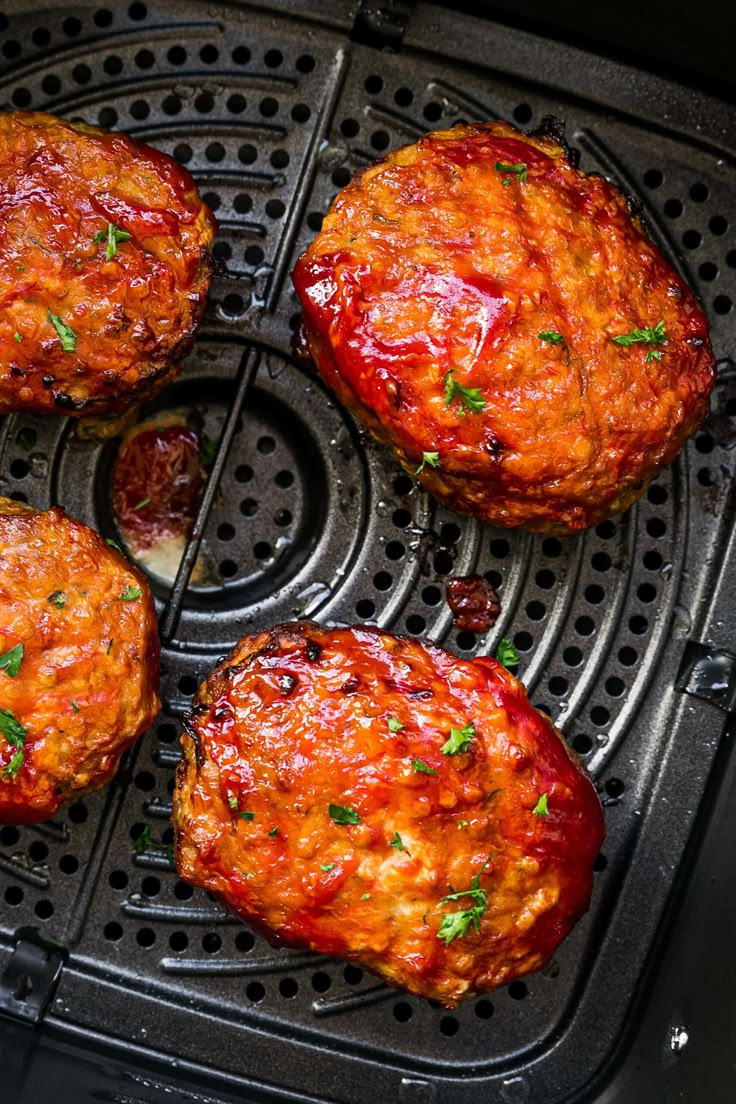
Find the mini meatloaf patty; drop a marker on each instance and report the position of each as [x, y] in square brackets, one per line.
[104, 267]
[375, 798]
[78, 660]
[502, 321]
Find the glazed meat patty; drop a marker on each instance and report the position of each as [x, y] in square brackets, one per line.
[505, 325]
[104, 267]
[375, 798]
[78, 660]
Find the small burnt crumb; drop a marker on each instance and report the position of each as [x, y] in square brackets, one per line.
[696, 342]
[16, 371]
[313, 651]
[473, 602]
[48, 380]
[350, 685]
[66, 402]
[493, 446]
[287, 684]
[220, 714]
[421, 695]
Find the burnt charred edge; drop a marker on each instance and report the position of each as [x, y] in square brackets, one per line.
[314, 651]
[199, 756]
[66, 402]
[552, 127]
[351, 685]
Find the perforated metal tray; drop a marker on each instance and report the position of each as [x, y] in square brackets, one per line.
[623, 631]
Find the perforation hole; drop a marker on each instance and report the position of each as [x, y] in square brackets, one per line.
[118, 879]
[415, 624]
[403, 97]
[536, 611]
[40, 37]
[150, 886]
[572, 656]
[432, 112]
[402, 1012]
[305, 63]
[466, 641]
[138, 11]
[522, 113]
[382, 580]
[523, 641]
[584, 626]
[211, 942]
[113, 931]
[177, 55]
[349, 127]
[638, 624]
[365, 608]
[594, 594]
[551, 547]
[699, 192]
[187, 685]
[517, 990]
[653, 178]
[300, 113]
[178, 941]
[353, 974]
[582, 744]
[255, 991]
[21, 97]
[615, 787]
[707, 271]
[449, 1026]
[71, 26]
[172, 105]
[183, 891]
[244, 942]
[673, 208]
[288, 987]
[68, 864]
[691, 239]
[722, 304]
[268, 107]
[718, 225]
[558, 686]
[241, 55]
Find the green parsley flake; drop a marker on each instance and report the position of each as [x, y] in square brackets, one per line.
[143, 502]
[470, 397]
[506, 653]
[364, 896]
[75, 707]
[343, 814]
[232, 801]
[17, 336]
[207, 453]
[456, 924]
[10, 662]
[113, 236]
[459, 741]
[144, 843]
[326, 867]
[431, 458]
[648, 335]
[397, 842]
[552, 337]
[129, 594]
[394, 724]
[420, 767]
[26, 438]
[67, 336]
[540, 809]
[15, 733]
[116, 546]
[247, 816]
[58, 599]
[463, 824]
[519, 171]
[273, 832]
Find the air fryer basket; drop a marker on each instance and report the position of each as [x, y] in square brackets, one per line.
[622, 631]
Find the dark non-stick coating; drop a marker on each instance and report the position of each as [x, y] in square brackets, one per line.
[272, 107]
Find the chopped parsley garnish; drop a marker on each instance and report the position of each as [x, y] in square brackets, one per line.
[394, 724]
[129, 594]
[115, 545]
[519, 171]
[58, 599]
[506, 653]
[143, 502]
[540, 809]
[247, 816]
[17, 336]
[470, 397]
[207, 453]
[397, 842]
[273, 832]
[75, 707]
[459, 741]
[232, 801]
[10, 662]
[26, 438]
[420, 767]
[431, 458]
[552, 337]
[326, 867]
[455, 924]
[67, 336]
[343, 814]
[364, 896]
[15, 733]
[648, 335]
[143, 842]
[113, 236]
[463, 824]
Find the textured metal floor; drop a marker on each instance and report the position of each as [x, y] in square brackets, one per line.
[272, 110]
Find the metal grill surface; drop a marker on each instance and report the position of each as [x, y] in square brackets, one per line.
[273, 109]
